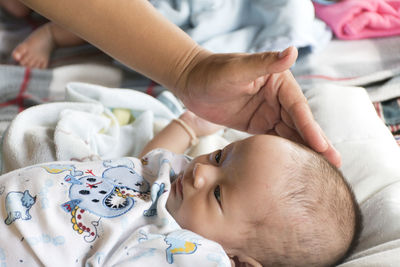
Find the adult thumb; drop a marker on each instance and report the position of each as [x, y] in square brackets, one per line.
[271, 62]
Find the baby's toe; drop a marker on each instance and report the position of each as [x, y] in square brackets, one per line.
[19, 52]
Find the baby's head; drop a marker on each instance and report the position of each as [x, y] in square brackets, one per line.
[268, 201]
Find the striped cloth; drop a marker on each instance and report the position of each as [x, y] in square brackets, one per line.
[389, 112]
[21, 87]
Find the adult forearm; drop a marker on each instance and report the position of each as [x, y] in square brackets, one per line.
[131, 31]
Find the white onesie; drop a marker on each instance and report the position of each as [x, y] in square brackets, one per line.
[98, 213]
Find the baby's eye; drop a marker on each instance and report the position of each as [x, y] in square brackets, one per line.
[217, 193]
[218, 156]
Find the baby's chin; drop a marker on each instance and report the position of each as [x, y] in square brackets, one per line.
[172, 204]
[172, 209]
[169, 205]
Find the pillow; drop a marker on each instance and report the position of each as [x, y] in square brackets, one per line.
[371, 163]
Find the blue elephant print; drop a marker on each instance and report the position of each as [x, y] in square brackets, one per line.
[98, 196]
[18, 205]
[111, 195]
[125, 177]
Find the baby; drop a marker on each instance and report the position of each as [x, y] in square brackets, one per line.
[266, 200]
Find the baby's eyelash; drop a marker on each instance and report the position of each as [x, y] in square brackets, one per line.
[218, 155]
[217, 193]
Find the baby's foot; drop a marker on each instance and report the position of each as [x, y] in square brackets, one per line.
[36, 49]
[15, 8]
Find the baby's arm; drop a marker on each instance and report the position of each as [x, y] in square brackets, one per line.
[179, 134]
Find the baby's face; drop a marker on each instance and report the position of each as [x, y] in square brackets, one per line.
[220, 193]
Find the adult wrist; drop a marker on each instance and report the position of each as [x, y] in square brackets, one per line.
[196, 55]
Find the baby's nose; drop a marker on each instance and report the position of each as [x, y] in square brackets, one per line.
[198, 176]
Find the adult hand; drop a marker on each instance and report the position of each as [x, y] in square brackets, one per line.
[255, 93]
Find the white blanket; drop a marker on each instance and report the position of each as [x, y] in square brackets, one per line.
[84, 128]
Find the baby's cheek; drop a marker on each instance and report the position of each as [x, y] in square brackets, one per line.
[197, 224]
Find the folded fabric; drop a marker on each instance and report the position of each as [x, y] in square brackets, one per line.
[247, 25]
[371, 63]
[326, 2]
[22, 87]
[355, 19]
[286, 23]
[84, 129]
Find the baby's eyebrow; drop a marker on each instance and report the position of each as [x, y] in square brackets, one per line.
[226, 152]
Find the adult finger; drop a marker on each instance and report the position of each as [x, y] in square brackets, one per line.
[285, 131]
[331, 154]
[287, 119]
[260, 64]
[294, 102]
[306, 126]
[312, 133]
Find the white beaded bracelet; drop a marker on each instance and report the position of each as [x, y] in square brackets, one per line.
[194, 140]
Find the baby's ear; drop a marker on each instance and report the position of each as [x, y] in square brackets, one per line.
[243, 261]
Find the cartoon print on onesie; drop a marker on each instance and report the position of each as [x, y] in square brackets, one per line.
[59, 168]
[179, 242]
[113, 194]
[18, 205]
[156, 191]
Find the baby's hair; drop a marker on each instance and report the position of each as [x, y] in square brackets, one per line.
[322, 210]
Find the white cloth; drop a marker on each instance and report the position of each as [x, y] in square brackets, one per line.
[99, 213]
[83, 129]
[247, 25]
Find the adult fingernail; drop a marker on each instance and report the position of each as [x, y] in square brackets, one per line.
[284, 53]
[324, 144]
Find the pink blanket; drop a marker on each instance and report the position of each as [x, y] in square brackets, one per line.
[358, 19]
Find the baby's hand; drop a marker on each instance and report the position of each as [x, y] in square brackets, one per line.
[200, 126]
